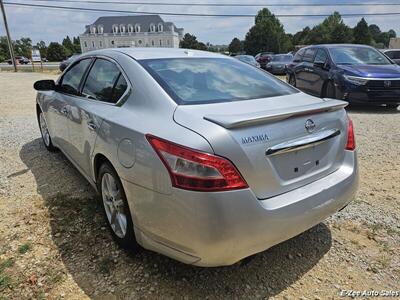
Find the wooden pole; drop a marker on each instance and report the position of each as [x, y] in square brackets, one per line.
[10, 46]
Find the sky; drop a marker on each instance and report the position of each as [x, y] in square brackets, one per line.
[53, 25]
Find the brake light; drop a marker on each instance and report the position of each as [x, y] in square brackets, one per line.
[351, 141]
[194, 170]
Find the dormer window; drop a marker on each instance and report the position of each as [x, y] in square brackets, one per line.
[152, 27]
[137, 27]
[122, 28]
[93, 29]
[115, 29]
[100, 29]
[130, 28]
[160, 27]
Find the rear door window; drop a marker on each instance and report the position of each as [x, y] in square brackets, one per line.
[105, 82]
[309, 55]
[71, 80]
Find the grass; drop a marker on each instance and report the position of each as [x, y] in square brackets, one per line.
[24, 248]
[5, 281]
[6, 264]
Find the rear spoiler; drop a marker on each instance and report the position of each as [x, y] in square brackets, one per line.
[247, 119]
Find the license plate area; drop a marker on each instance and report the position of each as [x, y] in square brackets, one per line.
[303, 163]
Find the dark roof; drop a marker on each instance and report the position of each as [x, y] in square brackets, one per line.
[143, 20]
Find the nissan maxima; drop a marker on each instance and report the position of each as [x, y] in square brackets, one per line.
[196, 155]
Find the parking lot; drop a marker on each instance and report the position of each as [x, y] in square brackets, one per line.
[54, 242]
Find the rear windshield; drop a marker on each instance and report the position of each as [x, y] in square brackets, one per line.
[209, 80]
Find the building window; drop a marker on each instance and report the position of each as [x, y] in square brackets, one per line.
[160, 27]
[152, 27]
[112, 43]
[93, 44]
[115, 29]
[85, 44]
[100, 29]
[130, 28]
[140, 42]
[122, 28]
[101, 44]
[168, 42]
[137, 28]
[93, 29]
[160, 43]
[152, 43]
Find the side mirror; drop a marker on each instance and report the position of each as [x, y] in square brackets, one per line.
[44, 85]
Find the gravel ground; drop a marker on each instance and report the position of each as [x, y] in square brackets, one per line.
[54, 243]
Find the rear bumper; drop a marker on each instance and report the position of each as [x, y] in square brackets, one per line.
[214, 229]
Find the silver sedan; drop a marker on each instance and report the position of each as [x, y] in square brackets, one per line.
[196, 155]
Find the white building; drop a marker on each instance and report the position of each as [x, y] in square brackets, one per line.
[130, 31]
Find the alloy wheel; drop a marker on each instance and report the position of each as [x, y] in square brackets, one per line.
[114, 205]
[44, 130]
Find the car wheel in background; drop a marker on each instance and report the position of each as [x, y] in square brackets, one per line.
[392, 106]
[44, 131]
[330, 91]
[115, 207]
[292, 80]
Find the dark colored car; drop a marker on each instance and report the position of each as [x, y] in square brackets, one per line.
[354, 73]
[65, 63]
[248, 59]
[263, 58]
[21, 60]
[393, 54]
[278, 62]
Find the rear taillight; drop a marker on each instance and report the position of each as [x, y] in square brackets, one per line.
[194, 170]
[351, 141]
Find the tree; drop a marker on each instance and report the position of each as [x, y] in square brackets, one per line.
[375, 31]
[68, 46]
[361, 33]
[235, 46]
[77, 45]
[23, 47]
[4, 51]
[190, 41]
[267, 34]
[41, 46]
[331, 30]
[55, 52]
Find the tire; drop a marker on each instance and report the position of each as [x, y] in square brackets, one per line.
[330, 91]
[115, 207]
[292, 80]
[44, 131]
[392, 106]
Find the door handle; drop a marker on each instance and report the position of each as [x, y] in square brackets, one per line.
[91, 126]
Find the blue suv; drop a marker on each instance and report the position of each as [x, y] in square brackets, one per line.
[354, 73]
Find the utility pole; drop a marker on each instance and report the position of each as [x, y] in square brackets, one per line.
[10, 46]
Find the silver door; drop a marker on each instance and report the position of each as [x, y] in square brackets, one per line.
[100, 92]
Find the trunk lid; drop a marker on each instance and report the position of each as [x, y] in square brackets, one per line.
[267, 139]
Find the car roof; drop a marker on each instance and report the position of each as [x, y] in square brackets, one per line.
[338, 46]
[154, 53]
